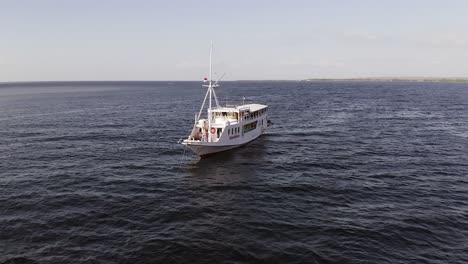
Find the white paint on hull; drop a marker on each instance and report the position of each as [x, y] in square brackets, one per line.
[206, 148]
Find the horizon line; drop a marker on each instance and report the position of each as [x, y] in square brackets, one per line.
[409, 78]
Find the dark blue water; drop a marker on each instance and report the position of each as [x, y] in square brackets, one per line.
[350, 173]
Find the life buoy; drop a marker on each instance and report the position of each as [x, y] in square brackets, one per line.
[213, 130]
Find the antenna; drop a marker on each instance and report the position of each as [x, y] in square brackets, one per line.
[211, 54]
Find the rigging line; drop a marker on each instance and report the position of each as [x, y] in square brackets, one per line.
[216, 98]
[216, 83]
[181, 160]
[214, 92]
[201, 108]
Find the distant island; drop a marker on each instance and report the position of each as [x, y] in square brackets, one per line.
[374, 79]
[391, 79]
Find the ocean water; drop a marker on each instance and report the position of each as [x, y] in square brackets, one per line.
[91, 172]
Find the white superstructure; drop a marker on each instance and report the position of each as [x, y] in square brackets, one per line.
[225, 127]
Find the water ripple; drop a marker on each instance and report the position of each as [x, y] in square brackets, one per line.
[350, 173]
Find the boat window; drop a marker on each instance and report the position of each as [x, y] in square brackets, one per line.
[249, 127]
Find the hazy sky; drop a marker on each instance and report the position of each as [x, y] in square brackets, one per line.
[169, 40]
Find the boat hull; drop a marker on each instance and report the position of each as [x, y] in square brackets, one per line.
[205, 149]
[208, 150]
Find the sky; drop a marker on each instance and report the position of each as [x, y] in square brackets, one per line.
[59, 40]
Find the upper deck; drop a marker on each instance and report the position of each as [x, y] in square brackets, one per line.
[238, 108]
[230, 122]
[237, 114]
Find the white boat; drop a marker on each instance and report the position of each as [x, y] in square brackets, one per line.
[225, 127]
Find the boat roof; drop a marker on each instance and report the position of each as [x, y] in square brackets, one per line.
[237, 108]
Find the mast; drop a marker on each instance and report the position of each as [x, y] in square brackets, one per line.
[210, 88]
[210, 93]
